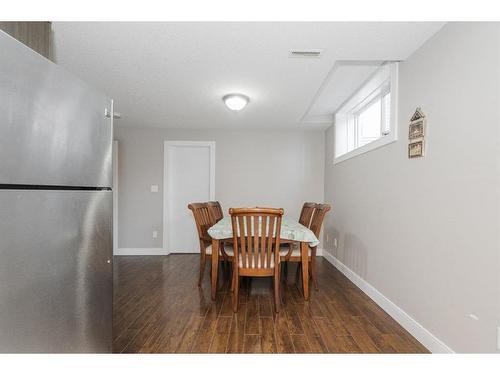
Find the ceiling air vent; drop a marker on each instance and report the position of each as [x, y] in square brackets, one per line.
[306, 53]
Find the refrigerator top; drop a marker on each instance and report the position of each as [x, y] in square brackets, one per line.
[55, 129]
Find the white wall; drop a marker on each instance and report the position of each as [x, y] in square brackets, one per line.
[259, 167]
[425, 232]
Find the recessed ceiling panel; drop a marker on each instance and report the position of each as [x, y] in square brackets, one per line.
[344, 79]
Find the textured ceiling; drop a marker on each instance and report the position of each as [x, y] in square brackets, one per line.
[174, 75]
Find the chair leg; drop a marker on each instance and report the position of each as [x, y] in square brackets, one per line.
[233, 276]
[236, 280]
[203, 259]
[229, 273]
[277, 299]
[313, 269]
[221, 285]
[297, 274]
[226, 269]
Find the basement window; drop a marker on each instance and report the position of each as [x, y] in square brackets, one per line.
[368, 119]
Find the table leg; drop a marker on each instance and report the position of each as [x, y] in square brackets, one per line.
[304, 250]
[215, 266]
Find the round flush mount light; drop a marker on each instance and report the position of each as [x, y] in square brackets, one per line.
[235, 102]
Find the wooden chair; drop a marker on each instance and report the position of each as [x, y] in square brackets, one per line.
[305, 219]
[216, 214]
[316, 224]
[203, 221]
[291, 253]
[256, 242]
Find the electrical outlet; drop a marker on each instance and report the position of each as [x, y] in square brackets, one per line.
[154, 188]
[335, 243]
[155, 234]
[327, 238]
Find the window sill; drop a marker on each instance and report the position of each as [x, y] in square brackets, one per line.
[366, 148]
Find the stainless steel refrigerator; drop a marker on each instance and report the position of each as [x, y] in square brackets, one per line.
[55, 207]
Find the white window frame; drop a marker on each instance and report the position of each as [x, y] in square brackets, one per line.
[383, 80]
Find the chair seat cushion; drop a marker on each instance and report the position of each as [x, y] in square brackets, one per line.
[227, 248]
[251, 262]
[285, 248]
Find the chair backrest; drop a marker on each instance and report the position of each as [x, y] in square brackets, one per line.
[318, 216]
[215, 209]
[307, 213]
[256, 237]
[202, 219]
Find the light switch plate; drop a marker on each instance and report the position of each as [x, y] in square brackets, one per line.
[155, 234]
[154, 188]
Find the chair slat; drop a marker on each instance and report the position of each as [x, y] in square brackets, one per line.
[255, 238]
[263, 224]
[318, 217]
[306, 213]
[242, 241]
[271, 240]
[248, 226]
[215, 210]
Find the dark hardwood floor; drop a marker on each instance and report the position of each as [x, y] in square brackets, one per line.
[158, 308]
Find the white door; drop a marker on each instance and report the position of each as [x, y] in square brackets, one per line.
[189, 177]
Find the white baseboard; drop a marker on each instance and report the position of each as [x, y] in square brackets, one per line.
[141, 251]
[418, 331]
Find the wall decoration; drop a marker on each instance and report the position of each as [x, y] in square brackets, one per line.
[416, 134]
[416, 149]
[416, 129]
[417, 115]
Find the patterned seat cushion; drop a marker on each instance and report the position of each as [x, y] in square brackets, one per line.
[251, 262]
[227, 248]
[285, 248]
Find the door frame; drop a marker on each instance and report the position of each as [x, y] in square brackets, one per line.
[115, 197]
[166, 145]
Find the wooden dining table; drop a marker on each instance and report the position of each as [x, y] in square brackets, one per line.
[291, 231]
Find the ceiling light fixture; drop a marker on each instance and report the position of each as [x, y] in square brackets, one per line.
[235, 102]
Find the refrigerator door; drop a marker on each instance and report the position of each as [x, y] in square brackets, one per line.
[55, 271]
[55, 129]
